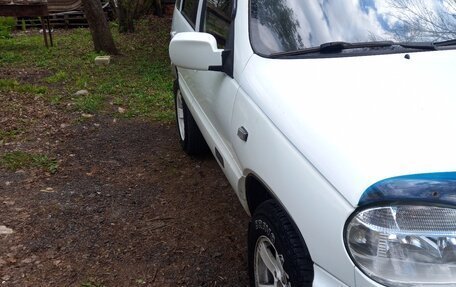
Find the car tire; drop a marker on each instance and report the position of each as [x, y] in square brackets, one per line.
[190, 137]
[277, 255]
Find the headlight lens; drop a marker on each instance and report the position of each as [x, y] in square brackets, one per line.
[405, 245]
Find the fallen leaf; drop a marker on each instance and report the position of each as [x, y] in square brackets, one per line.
[81, 93]
[5, 230]
[48, 190]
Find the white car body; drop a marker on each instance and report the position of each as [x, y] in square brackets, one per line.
[321, 131]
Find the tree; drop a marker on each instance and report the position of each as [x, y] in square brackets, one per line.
[422, 21]
[130, 10]
[99, 28]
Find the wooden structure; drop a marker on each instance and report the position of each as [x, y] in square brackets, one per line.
[63, 19]
[59, 14]
[66, 20]
[55, 6]
[29, 9]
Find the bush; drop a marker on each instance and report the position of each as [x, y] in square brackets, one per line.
[7, 25]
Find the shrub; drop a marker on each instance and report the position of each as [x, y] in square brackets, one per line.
[7, 25]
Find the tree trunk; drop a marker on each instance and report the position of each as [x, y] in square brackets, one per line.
[158, 8]
[127, 15]
[99, 28]
[114, 8]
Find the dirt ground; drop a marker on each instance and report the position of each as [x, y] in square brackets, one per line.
[126, 207]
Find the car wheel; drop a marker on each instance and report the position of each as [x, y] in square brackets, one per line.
[190, 137]
[277, 255]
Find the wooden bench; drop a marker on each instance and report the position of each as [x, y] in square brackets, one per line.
[30, 10]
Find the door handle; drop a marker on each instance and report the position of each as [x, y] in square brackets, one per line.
[243, 134]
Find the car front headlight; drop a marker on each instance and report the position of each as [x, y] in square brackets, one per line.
[404, 245]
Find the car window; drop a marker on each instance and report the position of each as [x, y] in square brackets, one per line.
[289, 25]
[218, 19]
[190, 10]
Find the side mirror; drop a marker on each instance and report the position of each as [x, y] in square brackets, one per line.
[196, 51]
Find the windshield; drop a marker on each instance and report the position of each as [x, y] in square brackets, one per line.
[278, 26]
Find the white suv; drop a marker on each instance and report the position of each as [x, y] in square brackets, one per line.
[335, 123]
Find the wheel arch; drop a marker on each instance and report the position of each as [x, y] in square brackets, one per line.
[257, 192]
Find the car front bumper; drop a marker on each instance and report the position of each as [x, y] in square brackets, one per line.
[323, 279]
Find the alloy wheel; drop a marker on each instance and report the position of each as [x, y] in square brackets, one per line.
[269, 271]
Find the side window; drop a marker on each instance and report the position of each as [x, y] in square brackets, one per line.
[190, 10]
[218, 19]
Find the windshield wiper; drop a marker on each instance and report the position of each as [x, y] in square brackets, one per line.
[451, 42]
[337, 47]
[417, 45]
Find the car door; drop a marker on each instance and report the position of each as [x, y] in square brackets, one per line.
[214, 92]
[218, 90]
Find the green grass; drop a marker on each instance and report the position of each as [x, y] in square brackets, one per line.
[8, 134]
[55, 99]
[57, 77]
[19, 160]
[13, 85]
[139, 80]
[10, 57]
[6, 26]
[90, 103]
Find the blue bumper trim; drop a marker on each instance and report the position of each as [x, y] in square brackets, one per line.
[429, 187]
